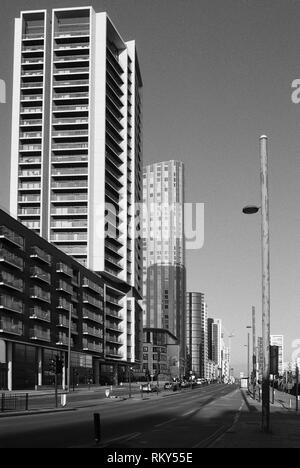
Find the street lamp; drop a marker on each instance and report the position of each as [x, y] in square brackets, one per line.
[265, 247]
[248, 346]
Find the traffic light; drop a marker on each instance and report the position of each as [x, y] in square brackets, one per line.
[274, 360]
[59, 365]
[52, 366]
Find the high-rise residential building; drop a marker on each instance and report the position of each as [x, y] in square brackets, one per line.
[278, 340]
[196, 334]
[76, 156]
[217, 342]
[164, 249]
[210, 323]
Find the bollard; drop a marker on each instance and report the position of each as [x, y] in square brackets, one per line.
[97, 428]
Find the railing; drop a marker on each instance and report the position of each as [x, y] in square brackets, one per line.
[31, 135]
[112, 260]
[11, 258]
[70, 133]
[70, 184]
[70, 71]
[39, 253]
[92, 347]
[11, 281]
[87, 299]
[76, 250]
[11, 236]
[29, 198]
[29, 211]
[79, 32]
[31, 122]
[70, 108]
[113, 326]
[14, 402]
[113, 352]
[71, 83]
[90, 284]
[69, 224]
[98, 332]
[87, 314]
[38, 313]
[33, 85]
[73, 170]
[82, 45]
[71, 121]
[8, 326]
[33, 73]
[37, 334]
[113, 313]
[62, 268]
[63, 286]
[38, 293]
[68, 211]
[30, 148]
[32, 98]
[64, 304]
[8, 302]
[41, 274]
[68, 158]
[69, 238]
[113, 300]
[29, 186]
[69, 197]
[72, 58]
[33, 36]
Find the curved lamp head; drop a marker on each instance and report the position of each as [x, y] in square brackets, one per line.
[251, 209]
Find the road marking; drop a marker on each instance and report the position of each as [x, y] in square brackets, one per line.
[189, 412]
[124, 437]
[203, 443]
[230, 429]
[165, 422]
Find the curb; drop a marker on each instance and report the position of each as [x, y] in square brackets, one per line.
[11, 414]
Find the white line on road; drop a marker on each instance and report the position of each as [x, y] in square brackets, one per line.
[165, 422]
[188, 413]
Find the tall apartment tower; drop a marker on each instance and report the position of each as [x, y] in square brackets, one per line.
[197, 334]
[217, 342]
[164, 249]
[76, 156]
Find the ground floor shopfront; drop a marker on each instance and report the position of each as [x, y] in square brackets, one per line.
[28, 367]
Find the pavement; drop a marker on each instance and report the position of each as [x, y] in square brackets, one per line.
[246, 431]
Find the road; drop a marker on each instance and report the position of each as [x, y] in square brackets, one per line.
[190, 419]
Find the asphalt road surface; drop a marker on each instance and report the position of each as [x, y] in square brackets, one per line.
[190, 419]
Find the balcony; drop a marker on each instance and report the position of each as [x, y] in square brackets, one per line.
[71, 83]
[10, 236]
[87, 346]
[71, 121]
[11, 282]
[40, 335]
[69, 198]
[11, 327]
[40, 255]
[80, 71]
[94, 317]
[65, 269]
[11, 304]
[31, 123]
[32, 85]
[70, 109]
[36, 313]
[64, 287]
[31, 110]
[114, 339]
[63, 304]
[80, 224]
[91, 285]
[69, 238]
[113, 353]
[29, 212]
[114, 327]
[63, 340]
[31, 199]
[113, 262]
[87, 299]
[70, 185]
[75, 251]
[27, 186]
[31, 98]
[69, 172]
[40, 274]
[30, 160]
[65, 159]
[92, 331]
[41, 295]
[33, 36]
[70, 211]
[11, 259]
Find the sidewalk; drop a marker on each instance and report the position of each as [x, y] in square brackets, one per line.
[246, 431]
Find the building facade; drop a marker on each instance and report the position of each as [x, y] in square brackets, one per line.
[76, 156]
[164, 249]
[196, 334]
[278, 340]
[161, 355]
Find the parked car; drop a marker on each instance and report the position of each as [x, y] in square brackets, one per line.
[168, 386]
[149, 388]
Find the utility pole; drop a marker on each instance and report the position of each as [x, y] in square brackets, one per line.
[265, 239]
[254, 350]
[297, 388]
[248, 350]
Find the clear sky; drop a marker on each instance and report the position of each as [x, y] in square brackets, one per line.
[217, 74]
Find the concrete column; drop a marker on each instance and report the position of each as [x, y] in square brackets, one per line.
[97, 371]
[40, 367]
[10, 366]
[115, 377]
[64, 372]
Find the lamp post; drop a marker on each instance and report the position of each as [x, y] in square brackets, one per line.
[265, 247]
[248, 350]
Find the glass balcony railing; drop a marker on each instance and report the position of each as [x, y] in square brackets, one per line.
[40, 274]
[39, 293]
[80, 224]
[74, 33]
[77, 46]
[71, 121]
[91, 285]
[68, 158]
[35, 35]
[31, 135]
[11, 327]
[29, 199]
[75, 250]
[71, 83]
[70, 133]
[30, 147]
[70, 184]
[69, 237]
[71, 58]
[31, 122]
[87, 346]
[63, 286]
[70, 108]
[87, 299]
[83, 171]
[113, 300]
[33, 84]
[70, 71]
[12, 259]
[70, 197]
[32, 98]
[113, 313]
[40, 335]
[62, 268]
[29, 211]
[11, 236]
[38, 313]
[64, 304]
[29, 186]
[88, 315]
[36, 252]
[10, 303]
[113, 353]
[31, 110]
